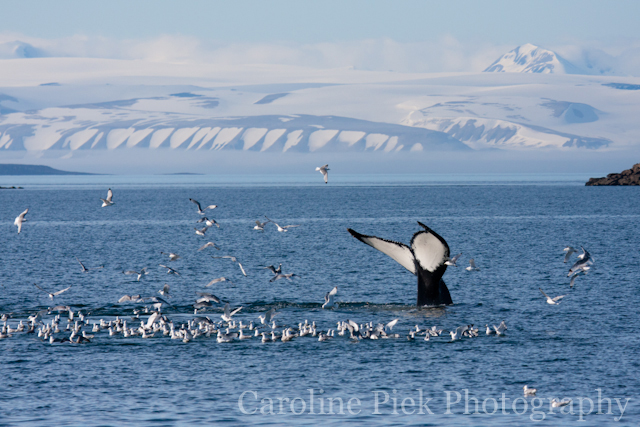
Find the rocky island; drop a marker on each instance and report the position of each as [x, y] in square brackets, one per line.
[626, 177]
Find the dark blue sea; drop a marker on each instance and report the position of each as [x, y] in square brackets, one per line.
[585, 349]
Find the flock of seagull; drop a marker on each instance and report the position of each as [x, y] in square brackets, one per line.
[227, 329]
[580, 267]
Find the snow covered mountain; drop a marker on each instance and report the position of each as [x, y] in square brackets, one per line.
[529, 58]
[74, 106]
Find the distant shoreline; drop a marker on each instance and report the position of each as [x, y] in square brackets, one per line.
[20, 169]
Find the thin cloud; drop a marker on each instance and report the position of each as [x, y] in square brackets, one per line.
[446, 54]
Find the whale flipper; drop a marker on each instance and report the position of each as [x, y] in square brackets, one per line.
[425, 258]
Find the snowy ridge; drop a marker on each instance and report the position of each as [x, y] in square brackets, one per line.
[529, 58]
[481, 134]
[86, 129]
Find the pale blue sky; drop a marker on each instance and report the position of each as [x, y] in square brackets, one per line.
[497, 22]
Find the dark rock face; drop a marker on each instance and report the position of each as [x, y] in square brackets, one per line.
[627, 177]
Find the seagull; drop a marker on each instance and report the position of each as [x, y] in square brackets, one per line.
[228, 313]
[501, 328]
[201, 231]
[283, 228]
[20, 219]
[323, 170]
[85, 269]
[208, 222]
[529, 391]
[391, 324]
[165, 291]
[172, 256]
[260, 225]
[575, 276]
[268, 316]
[283, 276]
[219, 279]
[569, 250]
[472, 266]
[328, 298]
[583, 263]
[234, 259]
[208, 245]
[200, 210]
[140, 274]
[274, 270]
[169, 269]
[204, 296]
[108, 202]
[452, 261]
[127, 298]
[457, 334]
[51, 295]
[555, 403]
[552, 301]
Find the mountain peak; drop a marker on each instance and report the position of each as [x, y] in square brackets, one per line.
[530, 58]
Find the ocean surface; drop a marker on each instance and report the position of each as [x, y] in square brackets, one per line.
[584, 349]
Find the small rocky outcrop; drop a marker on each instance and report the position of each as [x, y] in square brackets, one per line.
[627, 177]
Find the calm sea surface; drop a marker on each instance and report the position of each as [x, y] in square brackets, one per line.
[515, 230]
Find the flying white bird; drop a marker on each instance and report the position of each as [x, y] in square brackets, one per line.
[208, 222]
[501, 328]
[323, 170]
[52, 294]
[569, 250]
[575, 276]
[214, 281]
[457, 334]
[169, 269]
[260, 225]
[204, 296]
[226, 316]
[328, 298]
[452, 261]
[584, 262]
[201, 231]
[273, 269]
[268, 316]
[208, 245]
[140, 274]
[200, 210]
[283, 276]
[165, 291]
[20, 219]
[284, 228]
[234, 259]
[172, 256]
[108, 201]
[552, 301]
[472, 266]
